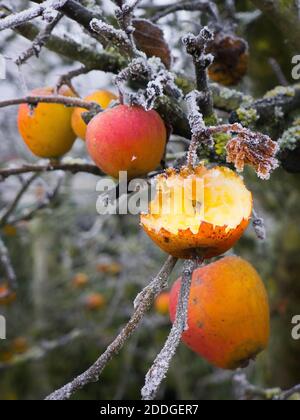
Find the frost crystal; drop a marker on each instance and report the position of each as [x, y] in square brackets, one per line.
[197, 124]
[161, 82]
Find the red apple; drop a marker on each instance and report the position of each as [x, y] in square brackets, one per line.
[128, 139]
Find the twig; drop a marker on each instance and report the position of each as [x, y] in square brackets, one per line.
[124, 15]
[53, 99]
[144, 303]
[28, 214]
[113, 35]
[5, 217]
[66, 79]
[27, 15]
[285, 395]
[199, 131]
[278, 72]
[259, 226]
[246, 391]
[191, 6]
[51, 167]
[39, 42]
[40, 350]
[159, 369]
[196, 47]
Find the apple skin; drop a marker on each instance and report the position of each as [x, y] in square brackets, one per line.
[162, 303]
[46, 130]
[101, 97]
[128, 139]
[228, 313]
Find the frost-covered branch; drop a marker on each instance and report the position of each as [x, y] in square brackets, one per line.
[160, 82]
[19, 18]
[145, 300]
[115, 36]
[160, 367]
[53, 99]
[244, 390]
[39, 42]
[200, 133]
[196, 47]
[124, 15]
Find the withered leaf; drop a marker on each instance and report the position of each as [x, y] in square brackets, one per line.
[150, 39]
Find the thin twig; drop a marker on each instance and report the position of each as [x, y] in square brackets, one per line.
[66, 79]
[5, 217]
[51, 167]
[146, 298]
[190, 6]
[278, 72]
[159, 369]
[29, 214]
[53, 99]
[288, 394]
[39, 42]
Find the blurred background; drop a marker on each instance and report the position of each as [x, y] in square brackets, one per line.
[79, 272]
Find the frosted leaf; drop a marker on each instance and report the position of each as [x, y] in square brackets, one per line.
[254, 149]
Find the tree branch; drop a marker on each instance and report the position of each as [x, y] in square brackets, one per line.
[39, 42]
[53, 99]
[145, 300]
[51, 167]
[159, 369]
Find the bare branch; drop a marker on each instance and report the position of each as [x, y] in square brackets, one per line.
[146, 298]
[5, 217]
[159, 369]
[73, 167]
[30, 213]
[39, 42]
[53, 99]
[190, 5]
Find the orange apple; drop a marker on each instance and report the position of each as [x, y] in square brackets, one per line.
[101, 97]
[228, 313]
[46, 129]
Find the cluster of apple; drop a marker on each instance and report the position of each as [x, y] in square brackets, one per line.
[228, 314]
[121, 138]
